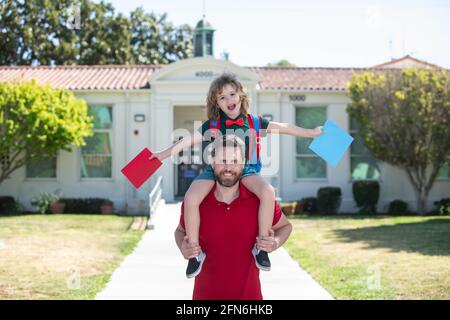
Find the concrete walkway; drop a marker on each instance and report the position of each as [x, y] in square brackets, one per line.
[155, 270]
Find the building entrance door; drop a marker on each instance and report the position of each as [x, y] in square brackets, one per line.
[189, 165]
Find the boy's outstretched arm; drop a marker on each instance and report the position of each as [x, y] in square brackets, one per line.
[186, 142]
[290, 129]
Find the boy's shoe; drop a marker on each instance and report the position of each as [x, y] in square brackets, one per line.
[195, 265]
[261, 259]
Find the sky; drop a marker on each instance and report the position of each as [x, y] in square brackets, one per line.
[319, 33]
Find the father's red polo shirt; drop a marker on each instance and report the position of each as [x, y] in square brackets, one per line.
[227, 236]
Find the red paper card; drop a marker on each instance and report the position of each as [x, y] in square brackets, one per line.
[140, 169]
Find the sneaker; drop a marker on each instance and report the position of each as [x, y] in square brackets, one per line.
[261, 259]
[195, 265]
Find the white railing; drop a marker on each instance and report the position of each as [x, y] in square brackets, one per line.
[153, 200]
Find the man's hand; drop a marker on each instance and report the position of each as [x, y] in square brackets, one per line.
[267, 243]
[189, 250]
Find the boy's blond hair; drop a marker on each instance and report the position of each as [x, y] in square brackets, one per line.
[216, 87]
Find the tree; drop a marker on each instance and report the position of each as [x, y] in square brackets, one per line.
[36, 121]
[282, 63]
[43, 32]
[154, 40]
[404, 118]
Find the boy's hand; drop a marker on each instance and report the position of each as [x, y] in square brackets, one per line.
[159, 155]
[189, 250]
[268, 243]
[317, 132]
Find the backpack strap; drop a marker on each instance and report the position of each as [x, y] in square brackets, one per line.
[254, 123]
[214, 127]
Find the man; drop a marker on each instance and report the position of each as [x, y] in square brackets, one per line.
[229, 227]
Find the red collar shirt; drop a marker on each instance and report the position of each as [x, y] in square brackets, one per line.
[227, 235]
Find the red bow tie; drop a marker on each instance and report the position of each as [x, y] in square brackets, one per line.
[239, 122]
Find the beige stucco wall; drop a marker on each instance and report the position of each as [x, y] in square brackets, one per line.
[179, 86]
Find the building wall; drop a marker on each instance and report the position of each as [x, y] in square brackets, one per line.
[394, 183]
[124, 146]
[178, 86]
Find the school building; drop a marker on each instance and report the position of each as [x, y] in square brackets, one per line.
[139, 106]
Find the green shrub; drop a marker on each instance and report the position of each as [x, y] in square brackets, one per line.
[306, 205]
[398, 207]
[329, 200]
[83, 205]
[8, 205]
[299, 204]
[442, 206]
[366, 195]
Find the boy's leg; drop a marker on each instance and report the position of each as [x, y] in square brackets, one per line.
[197, 191]
[266, 194]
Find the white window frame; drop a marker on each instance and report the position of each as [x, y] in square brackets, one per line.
[110, 130]
[44, 178]
[296, 178]
[352, 155]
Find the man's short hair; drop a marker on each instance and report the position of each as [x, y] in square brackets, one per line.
[228, 140]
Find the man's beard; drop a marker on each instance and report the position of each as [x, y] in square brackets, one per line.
[228, 181]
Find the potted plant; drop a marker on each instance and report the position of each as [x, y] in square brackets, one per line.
[57, 206]
[48, 200]
[107, 207]
[288, 208]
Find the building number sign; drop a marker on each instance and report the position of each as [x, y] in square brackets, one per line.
[297, 97]
[204, 74]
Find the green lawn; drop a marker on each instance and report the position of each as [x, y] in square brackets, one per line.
[375, 257]
[61, 256]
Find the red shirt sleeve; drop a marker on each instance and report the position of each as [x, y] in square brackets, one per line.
[276, 214]
[182, 216]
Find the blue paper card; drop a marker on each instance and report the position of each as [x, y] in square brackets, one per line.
[332, 144]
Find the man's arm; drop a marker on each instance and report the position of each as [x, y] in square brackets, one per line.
[282, 230]
[277, 235]
[179, 235]
[290, 129]
[187, 250]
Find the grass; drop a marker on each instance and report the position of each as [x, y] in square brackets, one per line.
[375, 257]
[61, 256]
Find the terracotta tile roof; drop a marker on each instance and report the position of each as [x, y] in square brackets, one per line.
[117, 77]
[126, 77]
[98, 77]
[310, 79]
[398, 63]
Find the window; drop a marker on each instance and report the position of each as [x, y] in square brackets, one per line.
[5, 161]
[42, 168]
[444, 172]
[308, 164]
[209, 44]
[96, 155]
[198, 44]
[363, 165]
